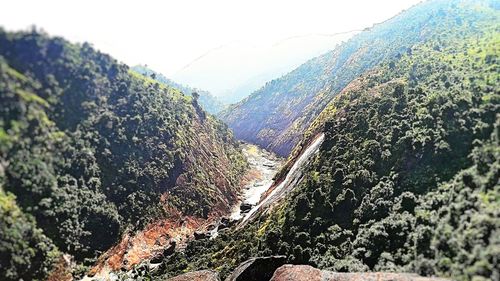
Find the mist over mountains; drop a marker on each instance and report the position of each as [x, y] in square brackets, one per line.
[233, 71]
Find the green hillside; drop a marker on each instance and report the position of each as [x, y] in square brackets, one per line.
[276, 115]
[208, 102]
[393, 160]
[89, 149]
[408, 176]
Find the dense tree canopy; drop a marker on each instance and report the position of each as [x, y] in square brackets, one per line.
[209, 102]
[90, 148]
[409, 151]
[276, 115]
[407, 178]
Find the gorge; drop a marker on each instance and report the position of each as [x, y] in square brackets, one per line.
[378, 160]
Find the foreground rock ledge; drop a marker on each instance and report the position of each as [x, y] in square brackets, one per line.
[203, 275]
[290, 272]
[257, 269]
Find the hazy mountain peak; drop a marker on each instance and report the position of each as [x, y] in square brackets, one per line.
[220, 70]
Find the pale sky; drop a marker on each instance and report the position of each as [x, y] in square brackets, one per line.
[168, 35]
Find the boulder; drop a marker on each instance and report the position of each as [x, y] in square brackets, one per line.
[225, 220]
[154, 267]
[245, 207]
[376, 276]
[211, 227]
[154, 260]
[202, 275]
[290, 272]
[269, 165]
[170, 249]
[224, 223]
[165, 253]
[257, 269]
[198, 235]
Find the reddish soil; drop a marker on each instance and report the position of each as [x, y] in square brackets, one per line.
[154, 238]
[61, 270]
[146, 244]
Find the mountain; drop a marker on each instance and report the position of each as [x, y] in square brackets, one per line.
[400, 170]
[276, 115]
[220, 70]
[207, 101]
[393, 167]
[90, 151]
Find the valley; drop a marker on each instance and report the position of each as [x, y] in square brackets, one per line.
[377, 160]
[278, 189]
[172, 234]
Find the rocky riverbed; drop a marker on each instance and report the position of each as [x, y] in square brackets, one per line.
[264, 165]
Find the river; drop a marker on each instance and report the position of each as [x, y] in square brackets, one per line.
[263, 165]
[291, 180]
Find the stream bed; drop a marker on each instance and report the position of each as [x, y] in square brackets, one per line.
[264, 165]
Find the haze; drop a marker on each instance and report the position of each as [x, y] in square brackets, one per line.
[226, 47]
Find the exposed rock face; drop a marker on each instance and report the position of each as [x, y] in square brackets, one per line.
[225, 223]
[199, 235]
[245, 207]
[296, 272]
[272, 268]
[290, 272]
[257, 269]
[202, 275]
[165, 253]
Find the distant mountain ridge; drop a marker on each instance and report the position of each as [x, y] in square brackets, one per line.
[233, 71]
[393, 168]
[276, 115]
[407, 176]
[208, 101]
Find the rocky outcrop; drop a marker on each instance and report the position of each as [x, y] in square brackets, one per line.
[245, 207]
[273, 269]
[296, 272]
[165, 253]
[290, 272]
[257, 269]
[202, 275]
[225, 223]
[199, 235]
[292, 178]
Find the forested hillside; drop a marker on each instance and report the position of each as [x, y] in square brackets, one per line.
[90, 150]
[276, 115]
[207, 101]
[392, 139]
[408, 176]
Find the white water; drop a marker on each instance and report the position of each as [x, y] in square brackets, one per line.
[266, 164]
[291, 179]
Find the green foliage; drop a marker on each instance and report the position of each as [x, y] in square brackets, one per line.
[25, 252]
[209, 102]
[41, 164]
[463, 215]
[407, 178]
[223, 254]
[276, 116]
[91, 150]
[401, 179]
